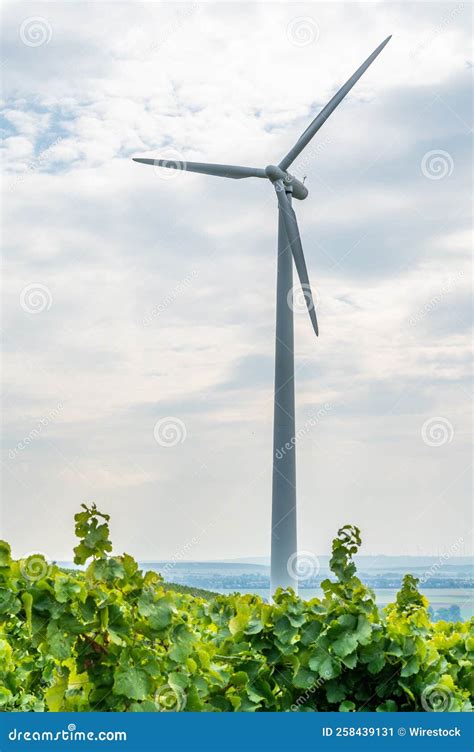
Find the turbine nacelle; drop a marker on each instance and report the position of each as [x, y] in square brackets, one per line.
[285, 184]
[292, 184]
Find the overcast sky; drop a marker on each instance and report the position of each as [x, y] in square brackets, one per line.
[139, 304]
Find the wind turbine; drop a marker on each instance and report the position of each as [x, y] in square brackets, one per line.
[284, 552]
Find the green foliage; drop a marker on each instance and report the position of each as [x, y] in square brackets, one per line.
[94, 535]
[199, 592]
[113, 638]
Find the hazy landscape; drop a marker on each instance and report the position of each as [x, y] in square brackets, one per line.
[446, 583]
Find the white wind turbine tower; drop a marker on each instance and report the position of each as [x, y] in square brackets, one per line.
[284, 532]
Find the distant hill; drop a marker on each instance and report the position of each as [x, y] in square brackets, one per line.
[463, 565]
[364, 564]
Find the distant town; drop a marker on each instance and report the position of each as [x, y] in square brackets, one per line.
[375, 571]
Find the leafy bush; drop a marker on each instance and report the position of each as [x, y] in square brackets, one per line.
[112, 638]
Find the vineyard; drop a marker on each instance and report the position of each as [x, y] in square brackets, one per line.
[109, 637]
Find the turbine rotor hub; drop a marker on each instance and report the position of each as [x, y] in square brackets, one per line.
[274, 173]
[292, 184]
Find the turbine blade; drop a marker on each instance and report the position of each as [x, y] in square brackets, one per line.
[320, 119]
[293, 233]
[222, 171]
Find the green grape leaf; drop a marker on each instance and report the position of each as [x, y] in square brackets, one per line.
[345, 644]
[335, 692]
[412, 666]
[68, 588]
[363, 630]
[54, 695]
[284, 630]
[304, 679]
[133, 683]
[347, 706]
[60, 643]
[5, 554]
[9, 604]
[389, 706]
